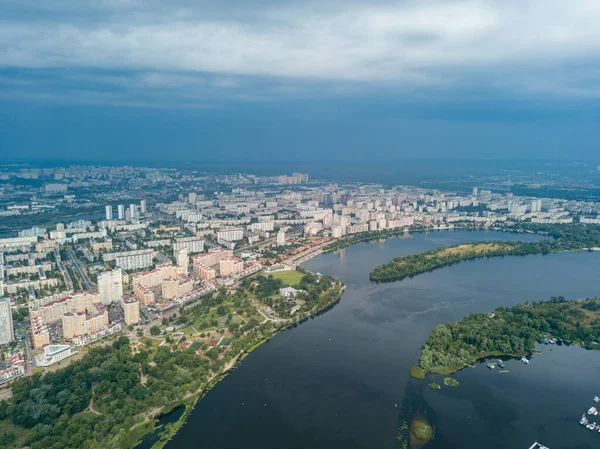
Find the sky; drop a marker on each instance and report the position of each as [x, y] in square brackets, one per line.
[266, 80]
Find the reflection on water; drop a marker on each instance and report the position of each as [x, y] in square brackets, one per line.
[340, 380]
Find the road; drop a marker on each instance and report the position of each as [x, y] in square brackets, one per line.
[85, 281]
[29, 363]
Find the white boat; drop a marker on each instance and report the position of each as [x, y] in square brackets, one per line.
[592, 410]
[596, 399]
[583, 421]
[525, 360]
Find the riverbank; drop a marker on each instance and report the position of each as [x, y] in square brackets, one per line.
[334, 294]
[361, 237]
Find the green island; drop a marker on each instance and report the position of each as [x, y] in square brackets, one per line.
[111, 397]
[509, 331]
[565, 238]
[450, 382]
[435, 386]
[421, 430]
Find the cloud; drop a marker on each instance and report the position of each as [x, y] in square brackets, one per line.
[400, 45]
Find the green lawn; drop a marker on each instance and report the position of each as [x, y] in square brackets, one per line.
[289, 278]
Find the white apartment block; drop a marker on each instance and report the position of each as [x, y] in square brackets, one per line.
[110, 286]
[231, 235]
[131, 260]
[191, 244]
[7, 333]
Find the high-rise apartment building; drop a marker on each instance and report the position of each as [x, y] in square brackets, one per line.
[143, 207]
[121, 211]
[131, 307]
[281, 237]
[109, 213]
[133, 211]
[229, 267]
[7, 333]
[110, 286]
[182, 260]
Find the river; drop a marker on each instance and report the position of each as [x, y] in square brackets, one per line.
[339, 380]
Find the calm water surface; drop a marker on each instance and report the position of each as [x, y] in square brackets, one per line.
[339, 381]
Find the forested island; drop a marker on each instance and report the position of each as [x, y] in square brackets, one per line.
[564, 238]
[110, 397]
[508, 331]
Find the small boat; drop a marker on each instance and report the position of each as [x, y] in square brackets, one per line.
[583, 421]
[501, 364]
[596, 399]
[491, 366]
[525, 360]
[592, 410]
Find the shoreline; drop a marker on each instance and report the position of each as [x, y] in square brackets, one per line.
[173, 428]
[191, 401]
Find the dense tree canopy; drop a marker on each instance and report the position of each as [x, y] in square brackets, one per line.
[511, 330]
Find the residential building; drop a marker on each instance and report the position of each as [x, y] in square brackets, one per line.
[109, 213]
[78, 324]
[7, 333]
[131, 308]
[229, 267]
[281, 238]
[182, 258]
[232, 235]
[191, 244]
[131, 260]
[110, 286]
[205, 272]
[213, 257]
[133, 211]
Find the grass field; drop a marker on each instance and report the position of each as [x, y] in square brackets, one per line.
[289, 278]
[479, 248]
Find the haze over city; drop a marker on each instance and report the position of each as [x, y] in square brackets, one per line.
[266, 80]
[303, 224]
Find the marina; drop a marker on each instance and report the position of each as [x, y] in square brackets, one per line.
[592, 411]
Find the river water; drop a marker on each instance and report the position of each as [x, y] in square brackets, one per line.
[339, 380]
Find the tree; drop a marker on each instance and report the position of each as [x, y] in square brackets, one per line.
[154, 330]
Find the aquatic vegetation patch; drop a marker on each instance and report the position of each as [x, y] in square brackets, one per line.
[451, 382]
